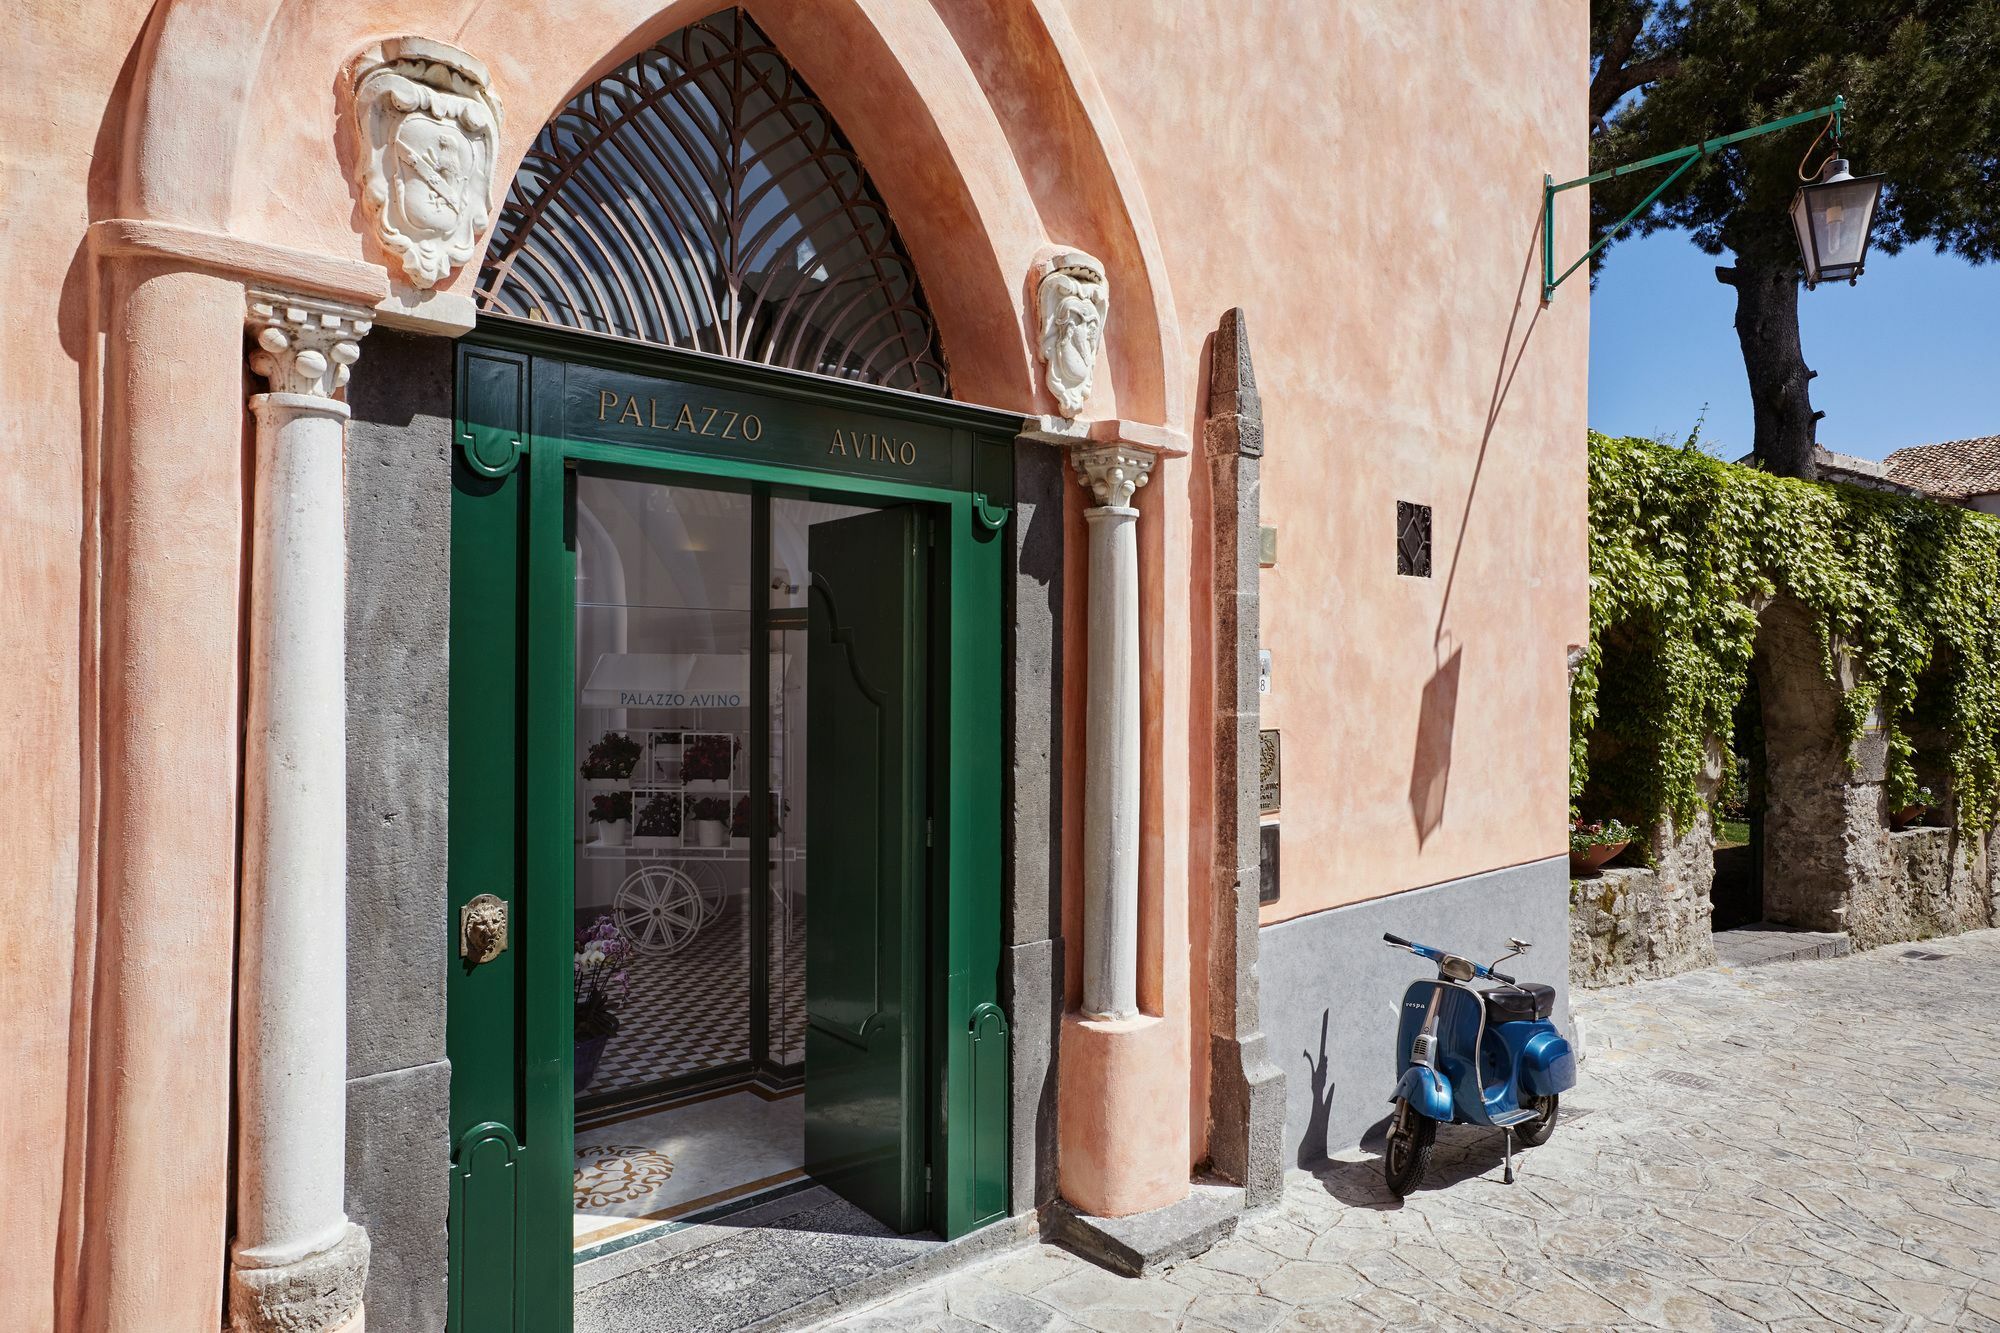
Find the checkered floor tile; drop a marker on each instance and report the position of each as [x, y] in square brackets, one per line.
[690, 1011]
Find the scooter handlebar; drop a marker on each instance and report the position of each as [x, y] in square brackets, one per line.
[1499, 976]
[1396, 940]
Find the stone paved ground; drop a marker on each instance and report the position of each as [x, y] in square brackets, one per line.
[1804, 1145]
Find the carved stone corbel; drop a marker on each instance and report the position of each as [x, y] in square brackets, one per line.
[428, 124]
[1072, 301]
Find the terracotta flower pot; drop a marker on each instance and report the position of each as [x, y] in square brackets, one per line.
[1908, 815]
[1595, 857]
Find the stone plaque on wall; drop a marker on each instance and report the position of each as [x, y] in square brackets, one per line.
[1267, 863]
[1267, 772]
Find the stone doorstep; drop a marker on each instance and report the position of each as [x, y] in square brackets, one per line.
[782, 1265]
[1144, 1243]
[1766, 942]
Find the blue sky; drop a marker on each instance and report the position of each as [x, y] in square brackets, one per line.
[1909, 355]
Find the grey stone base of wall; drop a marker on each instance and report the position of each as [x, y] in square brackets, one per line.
[1938, 884]
[1656, 921]
[399, 1188]
[1635, 925]
[1640, 923]
[1332, 990]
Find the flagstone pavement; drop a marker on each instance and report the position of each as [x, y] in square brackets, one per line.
[1810, 1145]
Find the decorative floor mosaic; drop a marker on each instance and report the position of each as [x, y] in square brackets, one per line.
[690, 1011]
[660, 1165]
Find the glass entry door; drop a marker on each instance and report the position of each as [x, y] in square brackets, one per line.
[749, 806]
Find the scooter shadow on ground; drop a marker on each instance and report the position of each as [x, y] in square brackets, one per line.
[1463, 1153]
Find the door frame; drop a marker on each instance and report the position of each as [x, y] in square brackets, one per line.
[519, 441]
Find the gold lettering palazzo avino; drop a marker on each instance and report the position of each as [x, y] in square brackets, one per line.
[724, 424]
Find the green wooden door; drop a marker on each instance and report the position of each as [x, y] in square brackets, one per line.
[865, 868]
[508, 1022]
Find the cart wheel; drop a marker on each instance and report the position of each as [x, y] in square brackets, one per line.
[708, 886]
[658, 909]
[1534, 1133]
[1407, 1156]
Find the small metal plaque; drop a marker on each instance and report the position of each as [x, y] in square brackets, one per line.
[1269, 789]
[1267, 547]
[1263, 671]
[1267, 863]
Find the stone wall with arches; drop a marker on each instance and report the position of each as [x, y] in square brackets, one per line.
[1830, 859]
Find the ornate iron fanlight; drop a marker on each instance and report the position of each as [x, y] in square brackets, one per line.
[700, 196]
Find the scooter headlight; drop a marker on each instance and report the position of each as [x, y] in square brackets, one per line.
[1456, 968]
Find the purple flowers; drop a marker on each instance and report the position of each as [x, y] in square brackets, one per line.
[601, 978]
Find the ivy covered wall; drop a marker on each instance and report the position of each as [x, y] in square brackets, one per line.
[1685, 549]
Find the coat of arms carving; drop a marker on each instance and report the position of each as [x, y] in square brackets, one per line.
[1073, 299]
[428, 125]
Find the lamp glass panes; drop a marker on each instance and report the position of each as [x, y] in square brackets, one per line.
[1832, 217]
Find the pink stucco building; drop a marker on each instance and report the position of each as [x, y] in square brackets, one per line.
[757, 529]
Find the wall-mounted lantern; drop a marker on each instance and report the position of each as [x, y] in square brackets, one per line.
[1833, 216]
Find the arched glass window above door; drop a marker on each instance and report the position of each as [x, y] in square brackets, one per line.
[700, 196]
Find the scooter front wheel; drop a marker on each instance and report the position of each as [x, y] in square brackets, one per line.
[1534, 1133]
[1407, 1155]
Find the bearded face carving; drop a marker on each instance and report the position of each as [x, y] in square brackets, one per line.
[1074, 300]
[428, 124]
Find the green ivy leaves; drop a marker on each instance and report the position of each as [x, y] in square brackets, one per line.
[1683, 550]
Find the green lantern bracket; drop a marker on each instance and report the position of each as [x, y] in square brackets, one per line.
[1686, 157]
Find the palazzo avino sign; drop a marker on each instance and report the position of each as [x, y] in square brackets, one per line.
[619, 407]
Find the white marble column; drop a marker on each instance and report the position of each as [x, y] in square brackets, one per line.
[1111, 737]
[296, 1262]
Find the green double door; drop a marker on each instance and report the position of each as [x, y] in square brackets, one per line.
[906, 1092]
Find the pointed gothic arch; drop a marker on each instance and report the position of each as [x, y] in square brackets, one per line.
[700, 196]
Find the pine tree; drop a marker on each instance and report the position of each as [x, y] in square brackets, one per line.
[1922, 82]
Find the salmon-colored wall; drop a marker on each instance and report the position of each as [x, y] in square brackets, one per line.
[59, 125]
[1363, 178]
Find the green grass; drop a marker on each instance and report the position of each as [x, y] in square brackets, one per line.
[1732, 833]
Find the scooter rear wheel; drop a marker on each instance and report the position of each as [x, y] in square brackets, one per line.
[1534, 1133]
[1407, 1155]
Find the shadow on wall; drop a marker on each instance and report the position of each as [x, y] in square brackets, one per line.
[1430, 767]
[1319, 1072]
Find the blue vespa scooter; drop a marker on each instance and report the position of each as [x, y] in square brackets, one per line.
[1473, 1057]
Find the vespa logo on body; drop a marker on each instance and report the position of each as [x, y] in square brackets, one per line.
[852, 445]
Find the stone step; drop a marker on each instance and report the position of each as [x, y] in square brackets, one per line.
[1766, 942]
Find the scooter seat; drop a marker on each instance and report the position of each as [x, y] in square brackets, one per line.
[1523, 1002]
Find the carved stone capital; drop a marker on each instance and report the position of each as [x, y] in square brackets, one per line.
[1072, 301]
[1113, 472]
[428, 124]
[305, 344]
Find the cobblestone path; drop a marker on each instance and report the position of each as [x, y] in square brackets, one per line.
[1801, 1146]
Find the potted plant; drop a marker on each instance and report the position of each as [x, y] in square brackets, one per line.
[612, 809]
[600, 984]
[705, 761]
[612, 758]
[659, 820]
[1594, 843]
[710, 817]
[1912, 813]
[665, 764]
